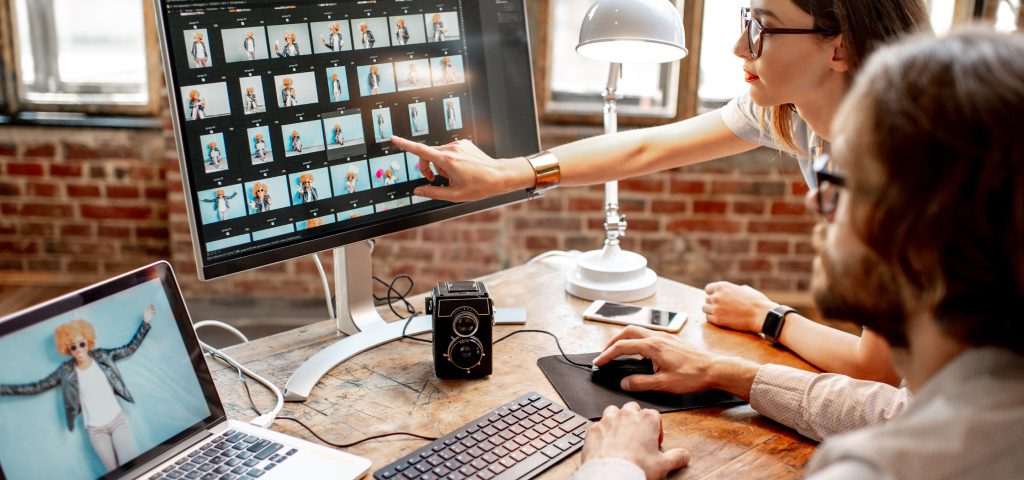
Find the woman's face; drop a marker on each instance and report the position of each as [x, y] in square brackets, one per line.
[790, 66]
[79, 349]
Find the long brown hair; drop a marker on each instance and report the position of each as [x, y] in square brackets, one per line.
[935, 125]
[865, 25]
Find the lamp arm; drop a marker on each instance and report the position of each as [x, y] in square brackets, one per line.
[614, 224]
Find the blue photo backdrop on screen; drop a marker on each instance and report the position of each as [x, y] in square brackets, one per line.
[351, 177]
[350, 128]
[219, 204]
[376, 79]
[34, 437]
[337, 84]
[228, 242]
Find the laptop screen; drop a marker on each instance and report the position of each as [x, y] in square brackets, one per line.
[102, 380]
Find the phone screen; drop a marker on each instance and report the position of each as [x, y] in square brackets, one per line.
[634, 314]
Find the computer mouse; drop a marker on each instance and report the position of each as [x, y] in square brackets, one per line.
[611, 374]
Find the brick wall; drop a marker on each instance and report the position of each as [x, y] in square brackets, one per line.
[80, 204]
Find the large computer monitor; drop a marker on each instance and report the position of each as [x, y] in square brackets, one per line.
[270, 96]
[283, 111]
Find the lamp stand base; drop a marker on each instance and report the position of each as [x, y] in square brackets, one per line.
[611, 274]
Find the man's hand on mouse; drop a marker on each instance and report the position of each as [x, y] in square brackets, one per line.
[634, 435]
[678, 367]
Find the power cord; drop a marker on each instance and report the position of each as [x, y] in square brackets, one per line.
[557, 343]
[409, 308]
[252, 404]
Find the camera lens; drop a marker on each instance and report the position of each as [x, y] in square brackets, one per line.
[465, 352]
[465, 324]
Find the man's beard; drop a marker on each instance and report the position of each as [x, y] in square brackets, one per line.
[861, 289]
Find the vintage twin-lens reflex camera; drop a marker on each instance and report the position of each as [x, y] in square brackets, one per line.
[463, 320]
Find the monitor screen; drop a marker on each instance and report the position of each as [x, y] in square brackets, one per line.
[284, 113]
[101, 379]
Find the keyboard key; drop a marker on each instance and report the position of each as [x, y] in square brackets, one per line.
[270, 466]
[255, 473]
[175, 474]
[235, 437]
[435, 460]
[259, 445]
[243, 455]
[206, 467]
[239, 470]
[485, 475]
[452, 464]
[424, 467]
[573, 424]
[464, 458]
[497, 468]
[526, 466]
[194, 475]
[187, 467]
[291, 452]
[447, 454]
[507, 462]
[267, 452]
[252, 462]
[250, 439]
[551, 451]
[563, 444]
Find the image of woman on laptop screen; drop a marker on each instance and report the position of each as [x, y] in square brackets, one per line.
[90, 383]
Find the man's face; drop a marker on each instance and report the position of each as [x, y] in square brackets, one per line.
[849, 281]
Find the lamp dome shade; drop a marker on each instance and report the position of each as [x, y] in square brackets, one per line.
[632, 31]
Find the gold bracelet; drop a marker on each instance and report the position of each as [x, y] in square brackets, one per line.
[548, 174]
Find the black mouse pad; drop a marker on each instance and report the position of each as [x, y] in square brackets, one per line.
[590, 399]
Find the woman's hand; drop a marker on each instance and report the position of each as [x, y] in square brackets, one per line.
[633, 435]
[471, 173]
[678, 367]
[738, 307]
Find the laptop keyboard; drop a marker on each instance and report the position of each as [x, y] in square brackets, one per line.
[518, 440]
[230, 456]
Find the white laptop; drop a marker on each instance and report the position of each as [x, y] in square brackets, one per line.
[110, 382]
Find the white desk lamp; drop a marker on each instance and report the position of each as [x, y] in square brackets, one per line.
[622, 31]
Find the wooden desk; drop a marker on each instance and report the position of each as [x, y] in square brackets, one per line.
[393, 387]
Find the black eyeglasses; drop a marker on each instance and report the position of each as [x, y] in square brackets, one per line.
[756, 31]
[829, 185]
[79, 345]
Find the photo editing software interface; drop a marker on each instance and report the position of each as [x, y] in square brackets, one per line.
[286, 110]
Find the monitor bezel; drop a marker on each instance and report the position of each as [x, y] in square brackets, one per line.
[159, 270]
[414, 218]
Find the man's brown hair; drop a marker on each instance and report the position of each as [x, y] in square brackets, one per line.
[935, 126]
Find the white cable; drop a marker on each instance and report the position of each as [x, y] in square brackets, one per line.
[327, 286]
[220, 324]
[268, 418]
[553, 253]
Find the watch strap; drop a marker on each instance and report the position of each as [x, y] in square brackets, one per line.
[773, 323]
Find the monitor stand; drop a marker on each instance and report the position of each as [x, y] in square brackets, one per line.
[358, 319]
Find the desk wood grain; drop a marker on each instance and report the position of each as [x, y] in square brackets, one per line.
[393, 387]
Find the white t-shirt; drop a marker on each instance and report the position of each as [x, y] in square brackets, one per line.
[743, 117]
[99, 406]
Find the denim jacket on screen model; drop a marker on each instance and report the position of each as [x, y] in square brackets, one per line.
[66, 376]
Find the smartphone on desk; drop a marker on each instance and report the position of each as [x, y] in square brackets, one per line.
[623, 314]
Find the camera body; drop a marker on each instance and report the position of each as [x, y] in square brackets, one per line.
[462, 314]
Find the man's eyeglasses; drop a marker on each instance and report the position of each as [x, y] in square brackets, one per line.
[829, 185]
[756, 31]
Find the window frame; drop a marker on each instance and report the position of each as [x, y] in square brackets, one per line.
[12, 89]
[539, 12]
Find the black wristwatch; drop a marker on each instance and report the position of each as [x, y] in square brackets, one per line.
[772, 327]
